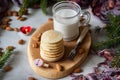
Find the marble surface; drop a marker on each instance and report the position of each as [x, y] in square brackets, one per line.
[21, 69]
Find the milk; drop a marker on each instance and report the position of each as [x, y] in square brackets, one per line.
[65, 23]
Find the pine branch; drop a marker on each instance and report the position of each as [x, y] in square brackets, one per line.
[23, 7]
[115, 63]
[43, 5]
[113, 29]
[112, 33]
[107, 43]
[5, 56]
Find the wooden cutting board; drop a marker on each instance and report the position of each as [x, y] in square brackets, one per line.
[68, 65]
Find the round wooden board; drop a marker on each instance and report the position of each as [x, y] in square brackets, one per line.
[68, 65]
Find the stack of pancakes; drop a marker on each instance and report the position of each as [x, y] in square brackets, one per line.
[52, 45]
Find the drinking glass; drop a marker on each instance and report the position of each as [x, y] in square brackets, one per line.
[66, 19]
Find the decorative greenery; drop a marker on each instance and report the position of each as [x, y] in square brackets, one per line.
[43, 4]
[116, 60]
[5, 56]
[23, 7]
[112, 33]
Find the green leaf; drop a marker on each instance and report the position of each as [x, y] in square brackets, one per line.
[43, 5]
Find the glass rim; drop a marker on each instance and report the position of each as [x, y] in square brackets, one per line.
[74, 3]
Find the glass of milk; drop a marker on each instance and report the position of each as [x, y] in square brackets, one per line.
[66, 16]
